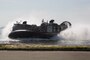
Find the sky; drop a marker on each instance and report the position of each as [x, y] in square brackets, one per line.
[75, 11]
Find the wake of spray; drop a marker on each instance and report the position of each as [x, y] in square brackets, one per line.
[7, 29]
[77, 32]
[76, 35]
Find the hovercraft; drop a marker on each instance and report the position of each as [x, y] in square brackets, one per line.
[45, 30]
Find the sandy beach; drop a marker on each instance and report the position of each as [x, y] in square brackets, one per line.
[44, 55]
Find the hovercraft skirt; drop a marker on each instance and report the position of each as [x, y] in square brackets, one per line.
[28, 34]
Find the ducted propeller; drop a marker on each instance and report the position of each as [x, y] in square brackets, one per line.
[64, 25]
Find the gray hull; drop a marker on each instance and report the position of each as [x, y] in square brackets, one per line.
[45, 30]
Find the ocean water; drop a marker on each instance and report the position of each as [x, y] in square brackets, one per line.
[78, 34]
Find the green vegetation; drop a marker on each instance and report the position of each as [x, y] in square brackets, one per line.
[34, 47]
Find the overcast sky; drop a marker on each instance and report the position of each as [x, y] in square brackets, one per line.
[75, 11]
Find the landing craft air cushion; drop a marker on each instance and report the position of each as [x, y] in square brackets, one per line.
[45, 30]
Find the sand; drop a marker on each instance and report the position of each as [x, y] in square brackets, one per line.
[44, 55]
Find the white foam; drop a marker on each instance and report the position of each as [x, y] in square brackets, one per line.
[77, 32]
